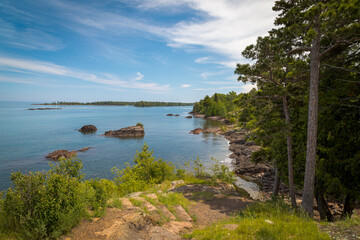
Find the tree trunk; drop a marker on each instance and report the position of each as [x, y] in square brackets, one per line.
[325, 213]
[349, 205]
[289, 152]
[276, 184]
[308, 191]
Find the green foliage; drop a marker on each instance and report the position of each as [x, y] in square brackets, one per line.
[140, 124]
[270, 220]
[146, 171]
[117, 103]
[221, 172]
[218, 105]
[45, 204]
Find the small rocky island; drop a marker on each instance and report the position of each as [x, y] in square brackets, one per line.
[88, 129]
[132, 131]
[63, 153]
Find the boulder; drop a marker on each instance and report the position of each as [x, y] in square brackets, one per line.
[132, 131]
[169, 114]
[88, 129]
[196, 131]
[83, 149]
[176, 115]
[61, 153]
[188, 117]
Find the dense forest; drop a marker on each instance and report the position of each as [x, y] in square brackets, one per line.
[116, 103]
[305, 113]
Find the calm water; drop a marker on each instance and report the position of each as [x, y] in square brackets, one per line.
[27, 136]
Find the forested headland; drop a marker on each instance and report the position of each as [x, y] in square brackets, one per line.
[117, 103]
[306, 109]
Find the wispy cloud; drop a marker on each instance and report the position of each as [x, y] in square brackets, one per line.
[185, 85]
[29, 38]
[15, 65]
[248, 87]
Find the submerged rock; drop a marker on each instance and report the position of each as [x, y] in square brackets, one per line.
[169, 114]
[176, 115]
[132, 131]
[83, 149]
[88, 129]
[61, 153]
[196, 131]
[188, 117]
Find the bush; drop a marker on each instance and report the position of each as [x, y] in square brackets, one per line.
[146, 171]
[140, 124]
[45, 204]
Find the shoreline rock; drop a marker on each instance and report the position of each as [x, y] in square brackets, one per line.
[61, 153]
[55, 155]
[132, 131]
[188, 117]
[88, 129]
[169, 114]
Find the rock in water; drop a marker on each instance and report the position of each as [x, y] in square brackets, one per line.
[196, 131]
[169, 114]
[88, 129]
[188, 117]
[61, 153]
[133, 131]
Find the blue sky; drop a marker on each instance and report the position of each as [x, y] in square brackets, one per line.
[126, 50]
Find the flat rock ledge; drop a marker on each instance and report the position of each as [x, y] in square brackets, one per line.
[44, 109]
[132, 131]
[88, 129]
[197, 131]
[63, 153]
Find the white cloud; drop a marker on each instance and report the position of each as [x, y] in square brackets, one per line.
[185, 85]
[224, 27]
[248, 87]
[139, 76]
[15, 65]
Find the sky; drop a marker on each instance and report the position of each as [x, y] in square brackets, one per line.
[126, 50]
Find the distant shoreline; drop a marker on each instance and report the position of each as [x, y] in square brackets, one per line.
[115, 103]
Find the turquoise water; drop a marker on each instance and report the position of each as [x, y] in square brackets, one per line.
[26, 137]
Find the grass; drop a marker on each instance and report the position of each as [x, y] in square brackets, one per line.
[263, 221]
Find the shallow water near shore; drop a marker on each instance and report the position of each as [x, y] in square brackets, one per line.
[26, 137]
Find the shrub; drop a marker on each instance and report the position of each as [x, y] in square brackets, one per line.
[146, 171]
[140, 124]
[45, 204]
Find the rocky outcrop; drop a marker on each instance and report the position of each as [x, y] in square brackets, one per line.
[177, 115]
[88, 129]
[83, 149]
[133, 131]
[62, 153]
[169, 114]
[197, 131]
[188, 117]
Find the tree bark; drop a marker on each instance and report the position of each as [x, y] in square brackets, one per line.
[308, 190]
[323, 207]
[276, 184]
[289, 152]
[349, 205]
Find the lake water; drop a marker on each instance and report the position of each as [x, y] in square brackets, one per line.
[26, 137]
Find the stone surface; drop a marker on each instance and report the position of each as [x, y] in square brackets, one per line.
[161, 233]
[84, 149]
[61, 153]
[196, 131]
[88, 129]
[132, 131]
[188, 117]
[169, 114]
[182, 214]
[178, 227]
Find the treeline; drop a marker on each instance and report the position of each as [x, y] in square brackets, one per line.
[116, 103]
[217, 105]
[305, 113]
